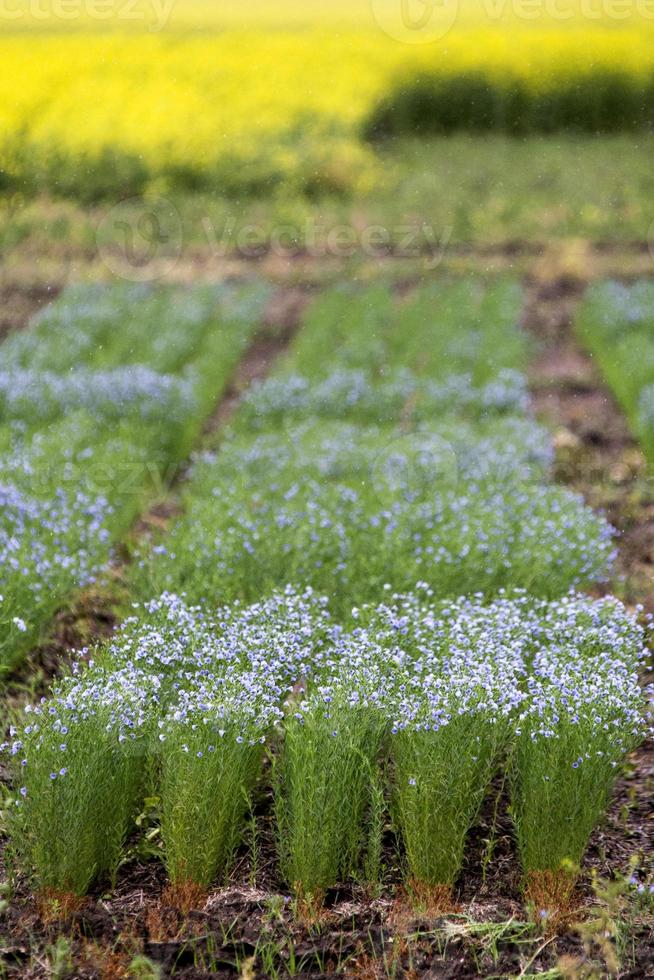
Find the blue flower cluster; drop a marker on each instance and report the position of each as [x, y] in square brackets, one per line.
[105, 390]
[352, 394]
[418, 661]
[435, 454]
[558, 680]
[42, 396]
[373, 569]
[47, 548]
[346, 478]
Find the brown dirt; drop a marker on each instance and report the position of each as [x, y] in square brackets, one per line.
[18, 304]
[357, 934]
[596, 453]
[281, 320]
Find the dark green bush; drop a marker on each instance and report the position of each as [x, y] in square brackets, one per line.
[435, 104]
[107, 175]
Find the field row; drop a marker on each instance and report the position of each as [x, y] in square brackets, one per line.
[616, 324]
[304, 612]
[99, 400]
[418, 705]
[390, 445]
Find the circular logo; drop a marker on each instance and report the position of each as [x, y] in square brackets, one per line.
[140, 240]
[415, 21]
[414, 465]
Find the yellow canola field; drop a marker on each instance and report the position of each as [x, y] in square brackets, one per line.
[279, 101]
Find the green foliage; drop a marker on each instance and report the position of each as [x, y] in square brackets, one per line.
[439, 781]
[449, 327]
[601, 101]
[561, 791]
[101, 398]
[316, 498]
[349, 545]
[79, 767]
[446, 493]
[204, 783]
[616, 324]
[325, 782]
[583, 714]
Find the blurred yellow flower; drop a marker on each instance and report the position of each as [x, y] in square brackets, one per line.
[279, 101]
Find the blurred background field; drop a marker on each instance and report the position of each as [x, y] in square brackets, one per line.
[493, 120]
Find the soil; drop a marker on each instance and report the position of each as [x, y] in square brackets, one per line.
[248, 927]
[18, 304]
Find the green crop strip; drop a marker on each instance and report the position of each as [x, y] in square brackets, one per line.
[100, 399]
[373, 464]
[616, 324]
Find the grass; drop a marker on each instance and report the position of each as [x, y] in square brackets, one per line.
[430, 199]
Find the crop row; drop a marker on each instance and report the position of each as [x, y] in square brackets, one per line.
[309, 613]
[99, 398]
[616, 324]
[418, 704]
[390, 445]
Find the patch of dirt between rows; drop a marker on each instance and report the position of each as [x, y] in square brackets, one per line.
[596, 453]
[19, 303]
